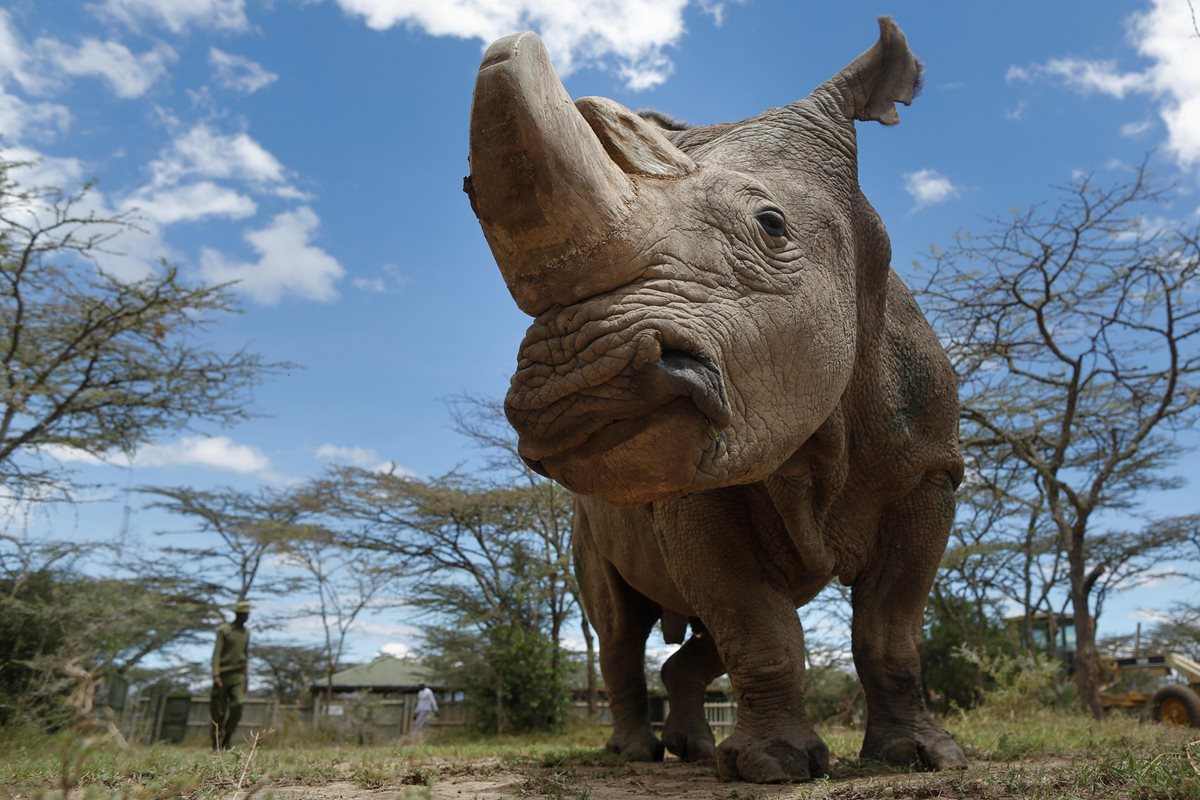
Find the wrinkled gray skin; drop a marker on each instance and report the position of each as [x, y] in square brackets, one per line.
[746, 398]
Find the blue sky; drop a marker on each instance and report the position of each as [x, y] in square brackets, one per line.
[314, 151]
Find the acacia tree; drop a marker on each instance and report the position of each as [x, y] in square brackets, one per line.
[287, 669]
[995, 552]
[55, 618]
[247, 526]
[89, 362]
[1178, 631]
[343, 584]
[1073, 329]
[548, 514]
[472, 562]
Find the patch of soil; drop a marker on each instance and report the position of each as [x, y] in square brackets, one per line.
[673, 778]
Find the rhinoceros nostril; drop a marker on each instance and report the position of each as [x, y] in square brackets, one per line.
[702, 380]
[675, 357]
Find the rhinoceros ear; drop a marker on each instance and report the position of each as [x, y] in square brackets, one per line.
[637, 147]
[870, 86]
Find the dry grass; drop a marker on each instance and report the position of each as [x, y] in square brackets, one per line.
[1042, 755]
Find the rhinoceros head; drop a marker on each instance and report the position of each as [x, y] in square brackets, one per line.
[700, 296]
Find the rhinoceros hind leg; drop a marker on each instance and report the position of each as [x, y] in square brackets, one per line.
[889, 606]
[635, 746]
[686, 675]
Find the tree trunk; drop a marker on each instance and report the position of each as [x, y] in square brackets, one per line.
[593, 704]
[328, 690]
[1087, 668]
[556, 660]
[499, 706]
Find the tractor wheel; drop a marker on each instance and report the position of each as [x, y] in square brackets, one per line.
[1175, 704]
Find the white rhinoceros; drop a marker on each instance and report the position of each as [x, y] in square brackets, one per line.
[748, 401]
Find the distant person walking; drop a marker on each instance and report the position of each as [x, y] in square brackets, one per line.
[230, 657]
[426, 707]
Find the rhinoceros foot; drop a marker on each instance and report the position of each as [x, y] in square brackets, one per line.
[928, 746]
[639, 747]
[691, 740]
[772, 760]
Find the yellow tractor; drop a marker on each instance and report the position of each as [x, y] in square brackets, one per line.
[1170, 703]
[1133, 683]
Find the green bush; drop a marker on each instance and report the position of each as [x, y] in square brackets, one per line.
[949, 679]
[517, 687]
[833, 695]
[1020, 683]
[31, 635]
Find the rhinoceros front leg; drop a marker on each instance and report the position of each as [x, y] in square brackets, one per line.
[710, 550]
[622, 618]
[889, 605]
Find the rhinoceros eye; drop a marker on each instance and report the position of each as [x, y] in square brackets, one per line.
[772, 222]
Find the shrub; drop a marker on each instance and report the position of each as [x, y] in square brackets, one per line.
[1018, 683]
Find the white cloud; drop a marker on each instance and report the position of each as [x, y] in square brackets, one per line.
[1016, 113]
[205, 153]
[70, 455]
[716, 10]
[192, 202]
[212, 452]
[396, 650]
[627, 36]
[176, 15]
[287, 262]
[363, 457]
[128, 75]
[19, 119]
[48, 64]
[358, 456]
[45, 171]
[14, 55]
[375, 284]
[1083, 76]
[239, 73]
[133, 253]
[1133, 130]
[1163, 34]
[391, 280]
[1149, 615]
[928, 186]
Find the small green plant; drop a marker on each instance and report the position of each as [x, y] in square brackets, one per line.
[1019, 682]
[547, 783]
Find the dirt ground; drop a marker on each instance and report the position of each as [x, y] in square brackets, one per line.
[491, 781]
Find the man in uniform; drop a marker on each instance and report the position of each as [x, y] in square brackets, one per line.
[229, 676]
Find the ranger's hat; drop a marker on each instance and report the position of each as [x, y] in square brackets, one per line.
[241, 607]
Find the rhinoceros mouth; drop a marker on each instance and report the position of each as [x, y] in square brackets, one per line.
[678, 379]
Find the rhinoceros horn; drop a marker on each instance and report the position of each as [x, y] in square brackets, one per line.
[551, 178]
[869, 87]
[541, 182]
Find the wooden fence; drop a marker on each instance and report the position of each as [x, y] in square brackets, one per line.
[359, 719]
